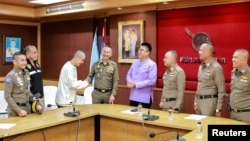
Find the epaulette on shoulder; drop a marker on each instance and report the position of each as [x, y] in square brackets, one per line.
[97, 62]
[178, 68]
[12, 72]
[113, 63]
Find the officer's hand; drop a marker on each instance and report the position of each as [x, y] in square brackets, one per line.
[195, 107]
[161, 105]
[22, 113]
[111, 99]
[218, 114]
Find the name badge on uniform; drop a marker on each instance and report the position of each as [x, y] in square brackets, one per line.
[172, 73]
[207, 71]
[244, 78]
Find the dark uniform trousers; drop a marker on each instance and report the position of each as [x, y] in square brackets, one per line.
[207, 106]
[100, 96]
[241, 116]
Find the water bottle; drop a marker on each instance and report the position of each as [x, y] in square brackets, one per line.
[170, 113]
[139, 109]
[199, 130]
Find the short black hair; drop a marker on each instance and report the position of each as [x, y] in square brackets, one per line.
[147, 45]
[17, 54]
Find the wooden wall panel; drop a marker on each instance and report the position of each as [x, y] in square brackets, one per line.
[59, 42]
[28, 34]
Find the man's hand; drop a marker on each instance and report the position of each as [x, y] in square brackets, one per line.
[22, 113]
[218, 114]
[195, 107]
[131, 84]
[111, 99]
[161, 104]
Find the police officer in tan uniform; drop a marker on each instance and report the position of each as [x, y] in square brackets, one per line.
[174, 80]
[211, 89]
[106, 76]
[16, 87]
[240, 87]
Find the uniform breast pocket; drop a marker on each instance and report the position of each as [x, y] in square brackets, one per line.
[243, 85]
[20, 85]
[97, 70]
[170, 81]
[109, 73]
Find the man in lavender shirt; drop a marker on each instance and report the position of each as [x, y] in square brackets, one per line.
[141, 78]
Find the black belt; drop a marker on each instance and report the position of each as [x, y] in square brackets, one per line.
[243, 110]
[169, 99]
[206, 96]
[22, 104]
[103, 90]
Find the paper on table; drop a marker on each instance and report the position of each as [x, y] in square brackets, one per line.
[6, 125]
[129, 112]
[195, 117]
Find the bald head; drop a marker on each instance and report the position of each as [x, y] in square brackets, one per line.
[170, 58]
[78, 58]
[79, 53]
[244, 53]
[209, 47]
[240, 58]
[173, 54]
[206, 52]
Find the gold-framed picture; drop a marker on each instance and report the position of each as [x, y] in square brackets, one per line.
[11, 44]
[130, 37]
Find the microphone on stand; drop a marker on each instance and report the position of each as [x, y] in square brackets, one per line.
[50, 105]
[73, 113]
[153, 134]
[149, 116]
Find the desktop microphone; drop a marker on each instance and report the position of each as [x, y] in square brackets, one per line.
[149, 116]
[73, 113]
[153, 134]
[50, 105]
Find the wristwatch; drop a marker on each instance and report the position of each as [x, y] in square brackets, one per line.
[217, 110]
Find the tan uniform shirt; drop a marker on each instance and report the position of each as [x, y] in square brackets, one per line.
[16, 89]
[211, 81]
[240, 89]
[106, 76]
[174, 80]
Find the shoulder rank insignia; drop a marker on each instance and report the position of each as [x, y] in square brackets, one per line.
[28, 66]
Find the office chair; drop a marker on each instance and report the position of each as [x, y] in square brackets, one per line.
[49, 97]
[3, 106]
[86, 98]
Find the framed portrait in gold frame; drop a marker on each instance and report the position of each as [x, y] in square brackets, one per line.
[11, 44]
[130, 37]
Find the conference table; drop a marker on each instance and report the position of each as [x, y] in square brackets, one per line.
[104, 122]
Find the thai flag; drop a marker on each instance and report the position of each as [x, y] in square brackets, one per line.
[103, 44]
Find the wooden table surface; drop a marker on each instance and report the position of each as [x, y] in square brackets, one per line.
[56, 117]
